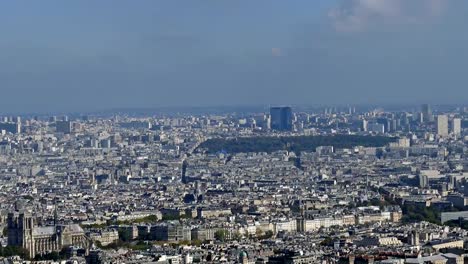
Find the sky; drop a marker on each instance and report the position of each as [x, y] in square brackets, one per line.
[93, 55]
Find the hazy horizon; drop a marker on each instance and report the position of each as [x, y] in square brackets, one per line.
[232, 109]
[90, 56]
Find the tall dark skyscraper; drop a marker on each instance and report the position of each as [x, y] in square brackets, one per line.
[12, 125]
[281, 118]
[63, 127]
[426, 113]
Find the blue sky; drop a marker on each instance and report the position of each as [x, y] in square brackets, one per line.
[89, 55]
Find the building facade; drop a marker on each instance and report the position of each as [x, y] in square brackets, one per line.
[442, 125]
[281, 118]
[23, 232]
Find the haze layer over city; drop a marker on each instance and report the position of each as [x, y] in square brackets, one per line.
[98, 55]
[253, 132]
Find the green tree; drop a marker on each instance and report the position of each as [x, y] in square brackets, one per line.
[9, 251]
[221, 235]
[125, 235]
[327, 242]
[196, 242]
[268, 234]
[259, 233]
[293, 143]
[237, 236]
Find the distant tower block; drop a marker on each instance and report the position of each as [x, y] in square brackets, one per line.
[281, 118]
[442, 126]
[426, 113]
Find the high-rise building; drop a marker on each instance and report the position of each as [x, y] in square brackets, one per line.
[385, 122]
[426, 113]
[63, 127]
[420, 117]
[281, 118]
[12, 127]
[365, 124]
[423, 181]
[266, 122]
[376, 128]
[442, 125]
[456, 126]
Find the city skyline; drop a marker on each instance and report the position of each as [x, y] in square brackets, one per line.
[225, 109]
[84, 189]
[236, 132]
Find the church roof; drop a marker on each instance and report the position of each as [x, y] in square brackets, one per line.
[44, 230]
[52, 230]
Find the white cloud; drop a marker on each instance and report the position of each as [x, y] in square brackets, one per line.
[359, 15]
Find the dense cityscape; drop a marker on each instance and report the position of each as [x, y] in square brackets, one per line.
[234, 132]
[286, 185]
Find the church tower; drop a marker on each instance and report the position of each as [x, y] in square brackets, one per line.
[26, 226]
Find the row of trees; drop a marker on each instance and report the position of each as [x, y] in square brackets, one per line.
[413, 214]
[55, 256]
[295, 144]
[138, 245]
[151, 219]
[9, 251]
[458, 223]
[222, 235]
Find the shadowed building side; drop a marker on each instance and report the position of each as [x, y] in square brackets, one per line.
[23, 232]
